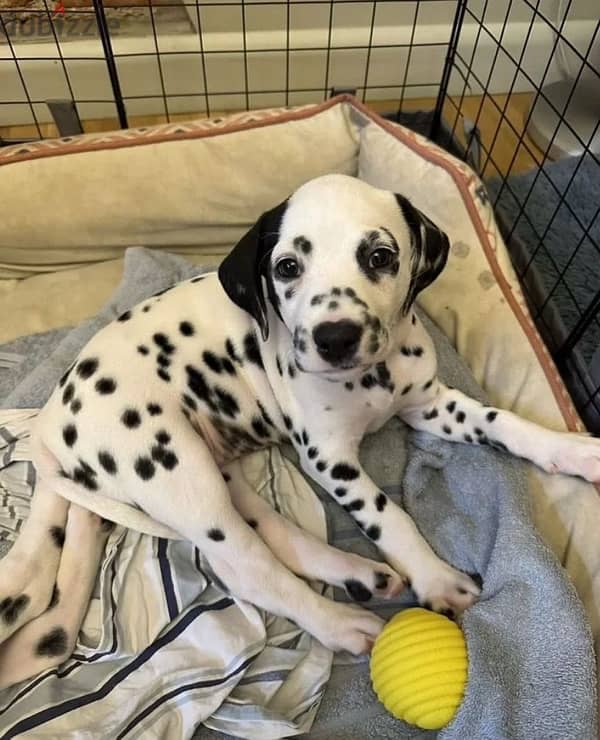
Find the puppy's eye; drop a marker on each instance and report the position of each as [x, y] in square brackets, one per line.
[287, 268]
[380, 258]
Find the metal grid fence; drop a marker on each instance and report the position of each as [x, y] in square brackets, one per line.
[511, 84]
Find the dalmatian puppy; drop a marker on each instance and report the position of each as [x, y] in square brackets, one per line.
[307, 334]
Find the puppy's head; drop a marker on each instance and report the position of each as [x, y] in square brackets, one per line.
[342, 263]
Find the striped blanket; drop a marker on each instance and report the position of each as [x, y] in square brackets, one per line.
[162, 649]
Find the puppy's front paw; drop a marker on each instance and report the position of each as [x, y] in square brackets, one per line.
[348, 627]
[446, 590]
[370, 579]
[574, 454]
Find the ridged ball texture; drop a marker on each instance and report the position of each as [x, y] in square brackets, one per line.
[419, 668]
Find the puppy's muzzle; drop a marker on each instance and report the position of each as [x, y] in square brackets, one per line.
[337, 341]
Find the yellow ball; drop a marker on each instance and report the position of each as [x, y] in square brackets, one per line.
[419, 668]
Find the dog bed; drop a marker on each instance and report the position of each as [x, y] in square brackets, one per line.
[96, 195]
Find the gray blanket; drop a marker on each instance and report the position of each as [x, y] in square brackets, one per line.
[531, 671]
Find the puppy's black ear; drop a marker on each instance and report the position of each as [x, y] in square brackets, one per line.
[430, 250]
[241, 272]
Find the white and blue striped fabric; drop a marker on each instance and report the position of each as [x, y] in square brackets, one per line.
[162, 649]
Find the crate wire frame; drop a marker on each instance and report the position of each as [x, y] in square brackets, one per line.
[484, 47]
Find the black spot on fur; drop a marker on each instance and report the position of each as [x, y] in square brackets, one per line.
[460, 416]
[291, 370]
[163, 360]
[228, 366]
[230, 349]
[166, 458]
[144, 467]
[312, 453]
[125, 316]
[373, 532]
[303, 244]
[70, 435]
[58, 536]
[478, 431]
[212, 361]
[143, 350]
[305, 438]
[349, 386]
[381, 580]
[76, 406]
[55, 598]
[321, 466]
[153, 409]
[491, 415]
[278, 363]
[162, 437]
[186, 328]
[332, 305]
[131, 418]
[340, 491]
[146, 308]
[380, 501]
[430, 414]
[289, 293]
[317, 299]
[53, 644]
[252, 351]
[468, 438]
[297, 438]
[446, 429]
[68, 394]
[162, 341]
[189, 401]
[368, 381]
[451, 406]
[106, 386]
[355, 505]
[87, 368]
[287, 421]
[107, 461]
[10, 609]
[414, 319]
[63, 379]
[428, 385]
[216, 534]
[259, 427]
[226, 402]
[406, 389]
[344, 471]
[477, 579]
[357, 590]
[199, 387]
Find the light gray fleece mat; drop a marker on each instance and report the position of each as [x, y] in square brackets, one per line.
[531, 669]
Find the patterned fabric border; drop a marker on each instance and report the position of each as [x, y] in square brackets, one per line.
[154, 134]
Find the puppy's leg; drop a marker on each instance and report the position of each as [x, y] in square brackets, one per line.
[48, 640]
[28, 571]
[452, 415]
[437, 584]
[308, 556]
[193, 499]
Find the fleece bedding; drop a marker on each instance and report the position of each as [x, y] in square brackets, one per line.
[163, 651]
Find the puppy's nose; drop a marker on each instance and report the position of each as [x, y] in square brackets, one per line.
[337, 341]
